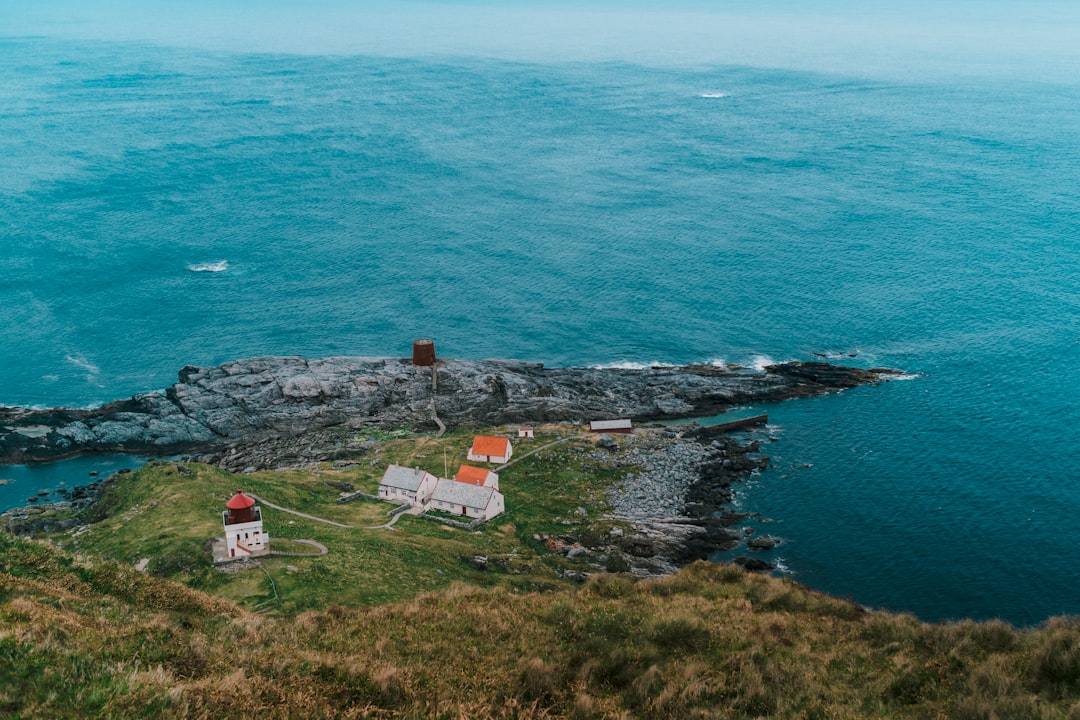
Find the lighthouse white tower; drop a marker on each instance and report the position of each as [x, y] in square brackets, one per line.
[244, 536]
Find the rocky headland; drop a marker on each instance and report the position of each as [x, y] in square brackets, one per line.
[674, 499]
[272, 400]
[286, 412]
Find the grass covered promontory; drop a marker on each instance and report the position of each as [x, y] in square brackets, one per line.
[403, 622]
[82, 637]
[167, 512]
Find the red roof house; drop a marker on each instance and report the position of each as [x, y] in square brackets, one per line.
[477, 476]
[486, 448]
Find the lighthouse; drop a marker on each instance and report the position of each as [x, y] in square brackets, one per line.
[244, 536]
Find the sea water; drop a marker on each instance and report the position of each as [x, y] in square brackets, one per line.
[163, 206]
[27, 485]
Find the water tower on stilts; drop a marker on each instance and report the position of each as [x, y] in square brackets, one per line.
[423, 353]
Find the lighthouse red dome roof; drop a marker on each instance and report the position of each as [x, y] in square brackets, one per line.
[240, 501]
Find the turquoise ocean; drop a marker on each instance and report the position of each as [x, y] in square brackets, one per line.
[163, 206]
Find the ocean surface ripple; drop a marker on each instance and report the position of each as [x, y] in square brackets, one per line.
[163, 207]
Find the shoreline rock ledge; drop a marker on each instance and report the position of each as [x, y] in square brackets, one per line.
[267, 397]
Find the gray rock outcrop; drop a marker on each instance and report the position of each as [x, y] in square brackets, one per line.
[267, 397]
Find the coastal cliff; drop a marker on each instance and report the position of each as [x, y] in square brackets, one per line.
[270, 397]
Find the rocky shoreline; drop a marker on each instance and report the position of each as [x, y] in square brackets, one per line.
[275, 413]
[60, 515]
[675, 498]
[275, 399]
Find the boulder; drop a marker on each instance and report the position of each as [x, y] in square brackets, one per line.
[607, 442]
[763, 542]
[754, 564]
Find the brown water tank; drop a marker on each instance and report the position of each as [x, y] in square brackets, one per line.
[423, 352]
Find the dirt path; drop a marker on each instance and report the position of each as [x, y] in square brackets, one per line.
[322, 550]
[415, 510]
[269, 504]
[531, 452]
[386, 525]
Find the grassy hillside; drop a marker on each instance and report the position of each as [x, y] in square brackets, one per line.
[89, 638]
[399, 623]
[167, 512]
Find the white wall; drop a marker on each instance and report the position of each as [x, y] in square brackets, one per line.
[250, 535]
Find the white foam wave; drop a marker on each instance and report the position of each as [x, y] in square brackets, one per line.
[210, 267]
[81, 362]
[628, 365]
[837, 354]
[760, 362]
[903, 376]
[92, 370]
[713, 95]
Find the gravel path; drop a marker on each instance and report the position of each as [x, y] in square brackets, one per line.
[322, 550]
[386, 525]
[531, 452]
[269, 504]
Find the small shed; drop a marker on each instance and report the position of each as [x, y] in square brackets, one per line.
[488, 449]
[611, 426]
[472, 501]
[473, 475]
[411, 485]
[525, 432]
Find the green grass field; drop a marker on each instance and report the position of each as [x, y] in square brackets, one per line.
[398, 623]
[167, 512]
[81, 637]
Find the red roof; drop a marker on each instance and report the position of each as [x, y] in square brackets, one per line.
[472, 475]
[240, 501]
[487, 445]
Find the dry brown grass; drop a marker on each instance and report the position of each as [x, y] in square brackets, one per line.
[98, 639]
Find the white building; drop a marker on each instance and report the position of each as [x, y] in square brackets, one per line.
[244, 535]
[489, 449]
[623, 425]
[471, 501]
[525, 432]
[477, 476]
[411, 485]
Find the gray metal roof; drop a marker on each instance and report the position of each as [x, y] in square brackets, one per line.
[610, 424]
[403, 478]
[459, 493]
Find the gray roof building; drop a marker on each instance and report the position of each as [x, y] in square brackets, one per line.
[459, 493]
[404, 478]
